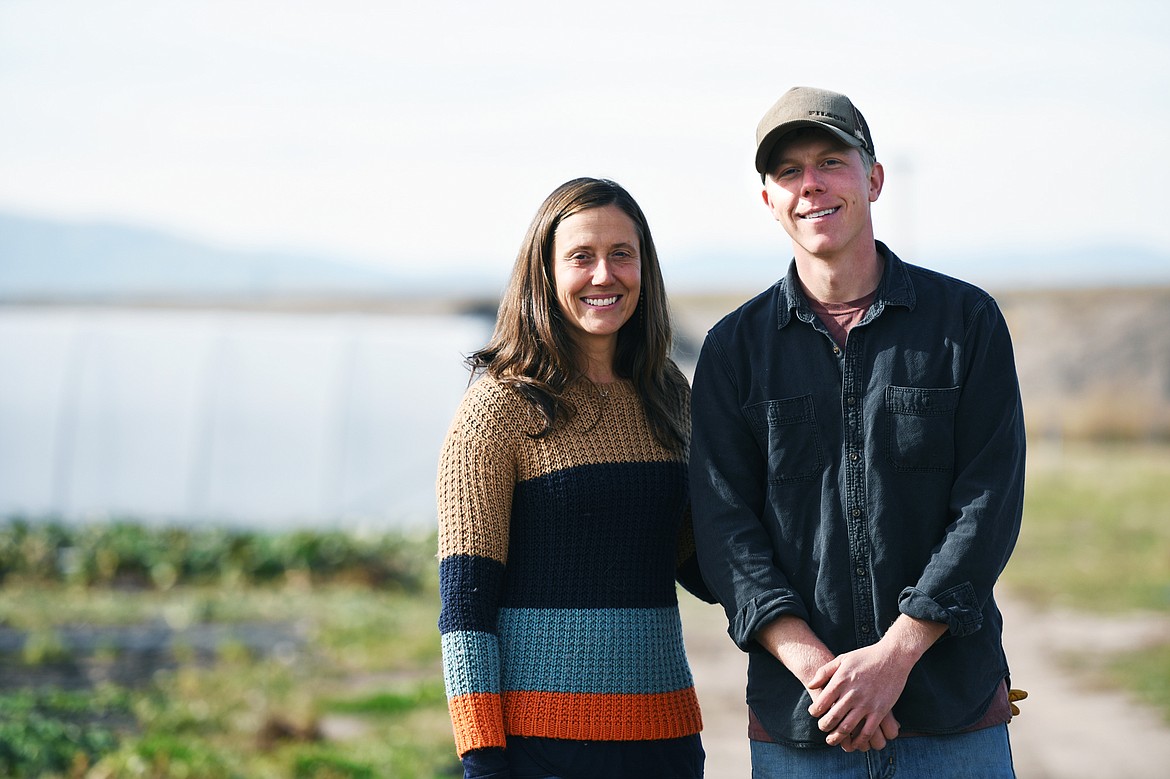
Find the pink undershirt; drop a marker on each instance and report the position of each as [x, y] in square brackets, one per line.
[840, 318]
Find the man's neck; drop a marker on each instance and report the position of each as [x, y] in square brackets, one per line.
[840, 279]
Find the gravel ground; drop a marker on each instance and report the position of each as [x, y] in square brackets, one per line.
[1067, 728]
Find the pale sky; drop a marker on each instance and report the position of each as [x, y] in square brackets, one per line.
[422, 136]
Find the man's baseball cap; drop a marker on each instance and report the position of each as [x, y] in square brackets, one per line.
[811, 107]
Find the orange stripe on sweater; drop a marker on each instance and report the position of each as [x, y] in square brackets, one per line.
[602, 717]
[476, 721]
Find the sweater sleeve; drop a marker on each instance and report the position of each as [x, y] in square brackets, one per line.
[687, 571]
[686, 562]
[476, 476]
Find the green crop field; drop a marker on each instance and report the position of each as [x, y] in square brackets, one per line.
[127, 651]
[264, 669]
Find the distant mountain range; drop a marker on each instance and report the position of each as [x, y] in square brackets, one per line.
[41, 258]
[46, 259]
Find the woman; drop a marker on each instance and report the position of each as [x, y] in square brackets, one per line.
[563, 513]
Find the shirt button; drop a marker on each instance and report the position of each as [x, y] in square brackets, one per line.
[865, 628]
[857, 512]
[851, 400]
[860, 571]
[854, 456]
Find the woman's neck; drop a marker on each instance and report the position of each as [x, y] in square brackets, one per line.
[597, 360]
[601, 374]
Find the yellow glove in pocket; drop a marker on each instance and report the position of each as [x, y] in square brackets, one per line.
[1016, 695]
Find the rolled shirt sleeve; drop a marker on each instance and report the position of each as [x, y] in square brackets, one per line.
[986, 499]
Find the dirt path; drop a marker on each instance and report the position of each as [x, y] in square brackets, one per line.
[1067, 729]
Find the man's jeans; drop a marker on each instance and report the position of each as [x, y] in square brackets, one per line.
[981, 754]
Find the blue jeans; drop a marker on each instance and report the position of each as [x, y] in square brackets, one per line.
[980, 754]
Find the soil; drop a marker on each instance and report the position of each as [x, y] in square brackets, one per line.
[130, 655]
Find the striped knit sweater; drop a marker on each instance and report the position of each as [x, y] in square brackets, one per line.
[557, 564]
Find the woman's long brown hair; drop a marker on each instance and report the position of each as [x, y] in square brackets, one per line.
[532, 347]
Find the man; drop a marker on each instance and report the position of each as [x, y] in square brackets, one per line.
[857, 475]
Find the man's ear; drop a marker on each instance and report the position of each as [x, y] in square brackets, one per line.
[768, 200]
[877, 177]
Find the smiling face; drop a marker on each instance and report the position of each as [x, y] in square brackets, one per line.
[820, 191]
[597, 270]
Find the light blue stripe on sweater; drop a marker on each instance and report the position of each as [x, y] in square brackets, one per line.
[471, 662]
[593, 650]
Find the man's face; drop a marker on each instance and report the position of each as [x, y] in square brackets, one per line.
[819, 190]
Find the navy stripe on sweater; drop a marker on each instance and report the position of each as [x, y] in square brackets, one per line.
[469, 586]
[614, 528]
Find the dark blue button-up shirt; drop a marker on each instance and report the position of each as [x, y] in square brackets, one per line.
[846, 486]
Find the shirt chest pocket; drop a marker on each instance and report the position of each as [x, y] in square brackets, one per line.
[787, 432]
[921, 427]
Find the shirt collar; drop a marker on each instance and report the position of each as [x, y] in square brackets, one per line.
[895, 289]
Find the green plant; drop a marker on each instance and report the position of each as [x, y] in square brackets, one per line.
[362, 617]
[44, 732]
[428, 693]
[166, 756]
[44, 646]
[331, 766]
[126, 553]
